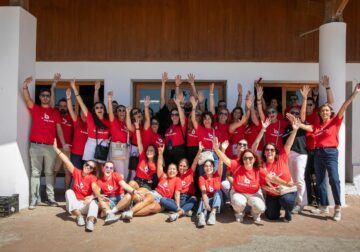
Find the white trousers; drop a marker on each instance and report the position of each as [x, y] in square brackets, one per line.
[297, 164]
[240, 200]
[72, 203]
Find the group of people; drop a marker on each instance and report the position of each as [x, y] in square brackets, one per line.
[187, 155]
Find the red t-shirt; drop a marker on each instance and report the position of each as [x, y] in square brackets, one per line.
[101, 133]
[176, 134]
[246, 181]
[275, 132]
[168, 186]
[145, 170]
[211, 184]
[67, 128]
[192, 138]
[149, 137]
[327, 135]
[187, 182]
[251, 133]
[44, 120]
[279, 168]
[222, 131]
[111, 187]
[133, 135]
[119, 131]
[82, 184]
[312, 119]
[80, 136]
[206, 136]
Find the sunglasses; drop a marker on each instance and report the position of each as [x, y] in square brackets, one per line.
[108, 168]
[174, 114]
[309, 104]
[242, 144]
[45, 95]
[270, 149]
[135, 113]
[270, 112]
[248, 158]
[224, 114]
[294, 113]
[96, 108]
[89, 165]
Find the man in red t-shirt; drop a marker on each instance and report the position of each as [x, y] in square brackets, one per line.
[45, 126]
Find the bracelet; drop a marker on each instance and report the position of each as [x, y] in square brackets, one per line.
[328, 88]
[77, 95]
[211, 94]
[59, 153]
[133, 191]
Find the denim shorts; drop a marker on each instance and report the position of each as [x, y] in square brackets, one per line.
[157, 196]
[114, 200]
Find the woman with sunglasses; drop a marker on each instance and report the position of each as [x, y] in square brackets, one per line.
[176, 133]
[326, 153]
[277, 126]
[276, 163]
[112, 185]
[98, 126]
[210, 184]
[80, 200]
[120, 137]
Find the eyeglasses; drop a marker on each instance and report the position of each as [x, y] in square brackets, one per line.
[270, 149]
[45, 95]
[309, 104]
[109, 168]
[242, 144]
[248, 158]
[89, 165]
[174, 114]
[294, 113]
[270, 112]
[96, 108]
[224, 114]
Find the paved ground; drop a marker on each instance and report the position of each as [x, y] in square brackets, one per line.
[52, 229]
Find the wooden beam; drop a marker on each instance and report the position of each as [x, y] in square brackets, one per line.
[341, 4]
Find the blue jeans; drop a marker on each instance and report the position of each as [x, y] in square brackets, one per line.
[274, 204]
[113, 200]
[187, 202]
[326, 159]
[214, 202]
[168, 204]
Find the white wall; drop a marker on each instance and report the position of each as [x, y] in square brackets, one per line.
[17, 50]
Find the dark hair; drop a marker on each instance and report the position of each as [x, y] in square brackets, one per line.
[311, 99]
[156, 153]
[154, 118]
[331, 110]
[263, 157]
[257, 163]
[95, 167]
[221, 101]
[175, 109]
[228, 112]
[211, 161]
[203, 117]
[237, 108]
[132, 118]
[44, 89]
[120, 106]
[97, 121]
[62, 100]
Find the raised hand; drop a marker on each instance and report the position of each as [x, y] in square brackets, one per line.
[193, 101]
[191, 78]
[296, 124]
[161, 149]
[57, 77]
[68, 93]
[110, 95]
[201, 96]
[305, 91]
[97, 85]
[216, 144]
[290, 117]
[178, 80]
[357, 88]
[259, 92]
[27, 82]
[128, 110]
[266, 123]
[147, 101]
[164, 77]
[201, 146]
[211, 88]
[72, 84]
[239, 88]
[325, 81]
[224, 145]
[249, 100]
[179, 99]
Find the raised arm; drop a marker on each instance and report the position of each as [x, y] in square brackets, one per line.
[191, 78]
[110, 106]
[68, 165]
[223, 147]
[164, 78]
[96, 91]
[193, 112]
[180, 98]
[326, 84]
[304, 93]
[211, 98]
[28, 101]
[160, 161]
[219, 153]
[129, 124]
[348, 101]
[178, 82]
[69, 105]
[138, 136]
[57, 77]
[289, 142]
[256, 143]
[240, 91]
[197, 157]
[78, 98]
[147, 112]
[259, 96]
[245, 118]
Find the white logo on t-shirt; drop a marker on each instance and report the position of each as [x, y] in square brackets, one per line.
[183, 183]
[211, 189]
[146, 169]
[246, 180]
[46, 116]
[81, 185]
[165, 184]
[110, 188]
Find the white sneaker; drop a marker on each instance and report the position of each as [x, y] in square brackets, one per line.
[89, 226]
[127, 215]
[212, 219]
[320, 210]
[189, 213]
[337, 214]
[201, 220]
[239, 217]
[111, 218]
[80, 221]
[257, 218]
[32, 205]
[297, 209]
[173, 217]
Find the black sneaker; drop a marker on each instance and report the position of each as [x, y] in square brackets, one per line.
[52, 203]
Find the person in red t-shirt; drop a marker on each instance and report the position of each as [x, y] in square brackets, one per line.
[98, 127]
[45, 127]
[120, 137]
[192, 142]
[326, 153]
[80, 200]
[187, 193]
[112, 186]
[276, 163]
[210, 185]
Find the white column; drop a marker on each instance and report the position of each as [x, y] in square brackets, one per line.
[17, 61]
[332, 62]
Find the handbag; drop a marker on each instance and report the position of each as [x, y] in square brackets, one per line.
[286, 189]
[120, 151]
[101, 151]
[204, 156]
